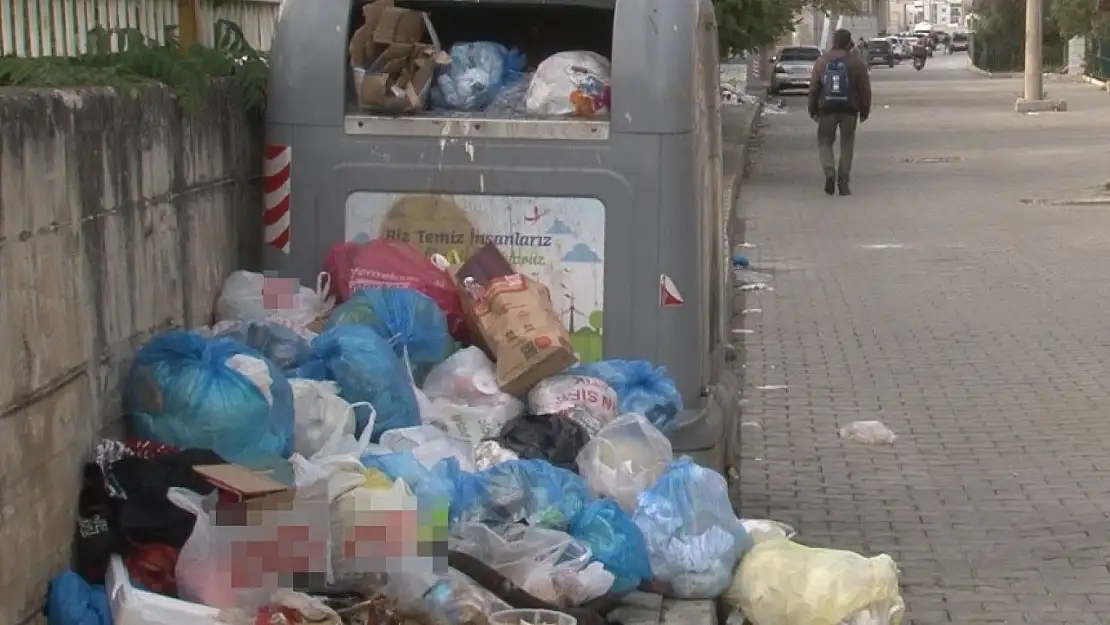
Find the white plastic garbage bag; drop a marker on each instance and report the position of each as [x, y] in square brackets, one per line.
[213, 568]
[624, 459]
[429, 445]
[319, 414]
[249, 296]
[461, 397]
[780, 582]
[373, 531]
[596, 401]
[570, 83]
[546, 563]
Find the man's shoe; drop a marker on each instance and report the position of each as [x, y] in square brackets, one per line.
[843, 184]
[830, 185]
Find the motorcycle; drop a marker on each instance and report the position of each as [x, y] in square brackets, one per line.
[919, 63]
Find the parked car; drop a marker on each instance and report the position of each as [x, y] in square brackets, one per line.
[880, 52]
[793, 68]
[960, 42]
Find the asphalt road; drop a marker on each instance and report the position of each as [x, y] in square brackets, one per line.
[957, 298]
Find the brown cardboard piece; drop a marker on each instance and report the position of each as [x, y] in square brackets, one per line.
[515, 318]
[241, 483]
[392, 64]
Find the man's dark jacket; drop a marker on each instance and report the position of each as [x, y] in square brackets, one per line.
[859, 80]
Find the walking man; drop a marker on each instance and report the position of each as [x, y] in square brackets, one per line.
[839, 99]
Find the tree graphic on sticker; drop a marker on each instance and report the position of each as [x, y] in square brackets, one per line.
[669, 296]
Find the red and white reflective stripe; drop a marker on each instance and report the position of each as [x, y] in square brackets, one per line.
[275, 217]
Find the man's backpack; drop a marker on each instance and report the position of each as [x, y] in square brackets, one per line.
[835, 86]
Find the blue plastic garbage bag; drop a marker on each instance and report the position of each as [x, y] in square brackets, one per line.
[182, 392]
[364, 365]
[530, 491]
[72, 601]
[478, 71]
[615, 542]
[411, 321]
[693, 536]
[641, 387]
[284, 347]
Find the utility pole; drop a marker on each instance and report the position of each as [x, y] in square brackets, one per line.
[1034, 79]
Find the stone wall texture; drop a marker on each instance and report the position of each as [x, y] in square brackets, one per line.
[120, 215]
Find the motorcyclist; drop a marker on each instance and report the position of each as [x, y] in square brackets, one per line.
[920, 52]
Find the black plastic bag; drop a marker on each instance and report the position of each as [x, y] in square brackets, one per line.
[554, 438]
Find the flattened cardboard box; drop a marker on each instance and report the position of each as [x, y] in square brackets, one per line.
[393, 68]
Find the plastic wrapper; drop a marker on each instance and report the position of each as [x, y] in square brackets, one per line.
[624, 459]
[489, 453]
[780, 582]
[249, 296]
[429, 445]
[589, 401]
[762, 530]
[693, 537]
[275, 340]
[385, 263]
[411, 321]
[573, 83]
[477, 72]
[614, 541]
[461, 397]
[451, 598]
[527, 556]
[184, 390]
[367, 370]
[554, 438]
[641, 387]
[530, 491]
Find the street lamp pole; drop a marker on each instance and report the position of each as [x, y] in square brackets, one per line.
[1034, 79]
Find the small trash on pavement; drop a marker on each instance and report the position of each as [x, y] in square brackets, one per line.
[868, 433]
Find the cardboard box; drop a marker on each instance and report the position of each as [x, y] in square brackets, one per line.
[240, 485]
[393, 65]
[515, 318]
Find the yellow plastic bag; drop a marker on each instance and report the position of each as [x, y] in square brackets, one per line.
[780, 582]
[377, 480]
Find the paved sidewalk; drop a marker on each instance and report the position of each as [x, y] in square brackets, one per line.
[955, 302]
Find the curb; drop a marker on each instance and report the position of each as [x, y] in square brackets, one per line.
[1101, 84]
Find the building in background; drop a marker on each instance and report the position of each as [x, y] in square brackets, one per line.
[949, 15]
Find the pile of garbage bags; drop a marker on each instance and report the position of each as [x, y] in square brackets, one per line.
[380, 450]
[487, 78]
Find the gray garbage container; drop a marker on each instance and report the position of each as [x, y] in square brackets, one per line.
[623, 217]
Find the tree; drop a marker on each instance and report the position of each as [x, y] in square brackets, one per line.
[747, 25]
[1079, 18]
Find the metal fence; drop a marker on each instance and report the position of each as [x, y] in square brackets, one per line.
[1098, 58]
[60, 27]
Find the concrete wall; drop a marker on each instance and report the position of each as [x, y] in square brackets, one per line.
[119, 216]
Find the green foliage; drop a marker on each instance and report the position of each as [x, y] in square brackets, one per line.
[1000, 35]
[747, 25]
[138, 59]
[1079, 18]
